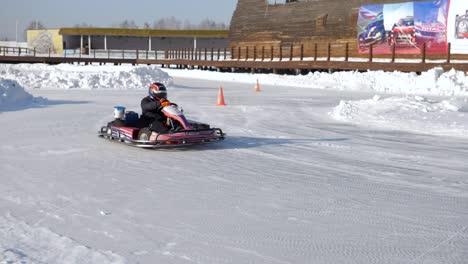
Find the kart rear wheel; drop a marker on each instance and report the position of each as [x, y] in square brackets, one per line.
[144, 134]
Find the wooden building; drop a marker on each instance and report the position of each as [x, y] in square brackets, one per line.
[263, 24]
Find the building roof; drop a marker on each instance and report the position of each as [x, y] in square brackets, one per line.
[145, 32]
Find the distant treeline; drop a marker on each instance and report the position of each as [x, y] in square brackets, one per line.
[163, 23]
[166, 23]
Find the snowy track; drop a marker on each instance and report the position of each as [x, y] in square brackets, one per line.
[323, 192]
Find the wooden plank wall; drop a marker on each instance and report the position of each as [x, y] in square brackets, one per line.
[255, 23]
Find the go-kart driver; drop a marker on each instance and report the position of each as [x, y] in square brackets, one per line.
[152, 105]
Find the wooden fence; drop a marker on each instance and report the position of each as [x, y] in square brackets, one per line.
[331, 56]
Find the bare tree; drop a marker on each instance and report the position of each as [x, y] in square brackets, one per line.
[128, 24]
[187, 25]
[33, 25]
[170, 23]
[43, 42]
[209, 24]
[83, 25]
[167, 23]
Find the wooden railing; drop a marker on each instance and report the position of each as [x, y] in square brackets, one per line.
[334, 52]
[331, 56]
[14, 50]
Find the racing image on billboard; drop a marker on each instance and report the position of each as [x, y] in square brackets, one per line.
[457, 26]
[407, 26]
[399, 23]
[430, 25]
[371, 29]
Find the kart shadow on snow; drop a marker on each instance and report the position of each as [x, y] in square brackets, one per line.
[39, 102]
[252, 142]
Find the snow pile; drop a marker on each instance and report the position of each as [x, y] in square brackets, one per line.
[65, 76]
[432, 82]
[22, 243]
[13, 95]
[128, 77]
[412, 113]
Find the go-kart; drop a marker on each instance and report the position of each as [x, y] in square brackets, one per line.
[182, 132]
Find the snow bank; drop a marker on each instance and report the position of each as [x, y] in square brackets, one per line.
[412, 113]
[22, 243]
[126, 77]
[65, 76]
[432, 82]
[13, 95]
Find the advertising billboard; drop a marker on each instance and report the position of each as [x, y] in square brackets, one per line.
[407, 26]
[457, 26]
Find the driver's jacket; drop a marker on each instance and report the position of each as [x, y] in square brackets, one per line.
[151, 109]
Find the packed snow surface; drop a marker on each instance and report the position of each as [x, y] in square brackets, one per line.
[322, 168]
[22, 243]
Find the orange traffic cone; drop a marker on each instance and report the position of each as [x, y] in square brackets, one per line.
[220, 97]
[257, 87]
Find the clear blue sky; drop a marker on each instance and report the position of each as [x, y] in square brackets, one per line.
[105, 13]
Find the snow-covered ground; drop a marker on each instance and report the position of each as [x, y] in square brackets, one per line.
[324, 168]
